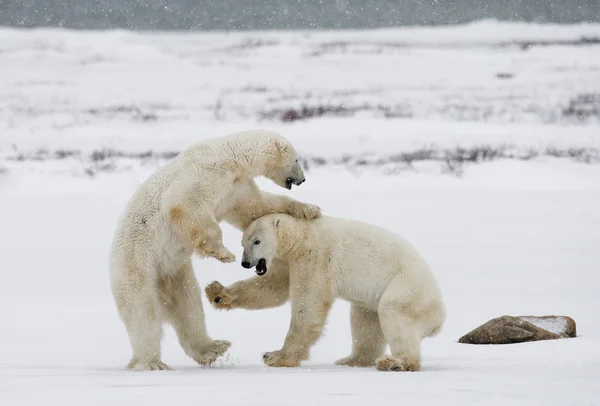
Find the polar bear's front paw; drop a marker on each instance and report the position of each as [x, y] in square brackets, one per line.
[218, 296]
[225, 256]
[220, 253]
[208, 354]
[280, 359]
[136, 365]
[351, 361]
[304, 211]
[388, 363]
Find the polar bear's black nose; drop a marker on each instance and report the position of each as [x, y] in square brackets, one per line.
[246, 264]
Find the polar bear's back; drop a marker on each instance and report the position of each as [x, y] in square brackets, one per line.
[141, 220]
[195, 162]
[146, 201]
[357, 239]
[364, 258]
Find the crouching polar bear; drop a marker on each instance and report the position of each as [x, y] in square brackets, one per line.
[395, 298]
[176, 213]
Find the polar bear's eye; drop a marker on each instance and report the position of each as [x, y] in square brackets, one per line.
[256, 242]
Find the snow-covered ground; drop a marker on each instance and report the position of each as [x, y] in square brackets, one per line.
[493, 178]
[495, 252]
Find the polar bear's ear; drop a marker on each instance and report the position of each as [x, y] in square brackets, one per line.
[281, 145]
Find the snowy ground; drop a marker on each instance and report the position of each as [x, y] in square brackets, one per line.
[495, 252]
[516, 232]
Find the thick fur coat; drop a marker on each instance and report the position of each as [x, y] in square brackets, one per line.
[176, 213]
[395, 298]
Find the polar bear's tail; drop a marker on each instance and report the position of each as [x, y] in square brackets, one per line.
[439, 318]
[436, 331]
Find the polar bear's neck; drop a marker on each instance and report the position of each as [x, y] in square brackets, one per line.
[251, 157]
[291, 237]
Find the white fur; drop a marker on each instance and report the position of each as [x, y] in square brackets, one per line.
[176, 213]
[395, 297]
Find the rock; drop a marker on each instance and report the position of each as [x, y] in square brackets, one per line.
[510, 330]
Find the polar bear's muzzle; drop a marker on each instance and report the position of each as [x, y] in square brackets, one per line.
[261, 267]
[293, 181]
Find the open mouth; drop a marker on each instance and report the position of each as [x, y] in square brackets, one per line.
[291, 181]
[261, 267]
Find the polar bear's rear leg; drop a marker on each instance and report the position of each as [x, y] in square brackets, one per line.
[141, 315]
[401, 327]
[182, 301]
[203, 230]
[368, 341]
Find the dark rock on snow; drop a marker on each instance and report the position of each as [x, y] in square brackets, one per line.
[510, 330]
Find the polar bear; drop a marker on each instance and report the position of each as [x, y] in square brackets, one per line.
[175, 213]
[394, 297]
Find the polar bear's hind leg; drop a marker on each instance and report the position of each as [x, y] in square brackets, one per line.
[402, 325]
[182, 301]
[141, 315]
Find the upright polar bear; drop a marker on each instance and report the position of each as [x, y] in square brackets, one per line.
[395, 298]
[175, 213]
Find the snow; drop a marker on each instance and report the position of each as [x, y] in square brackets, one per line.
[494, 252]
[556, 325]
[79, 90]
[506, 236]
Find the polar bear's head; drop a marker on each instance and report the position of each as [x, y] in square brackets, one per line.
[260, 243]
[282, 166]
